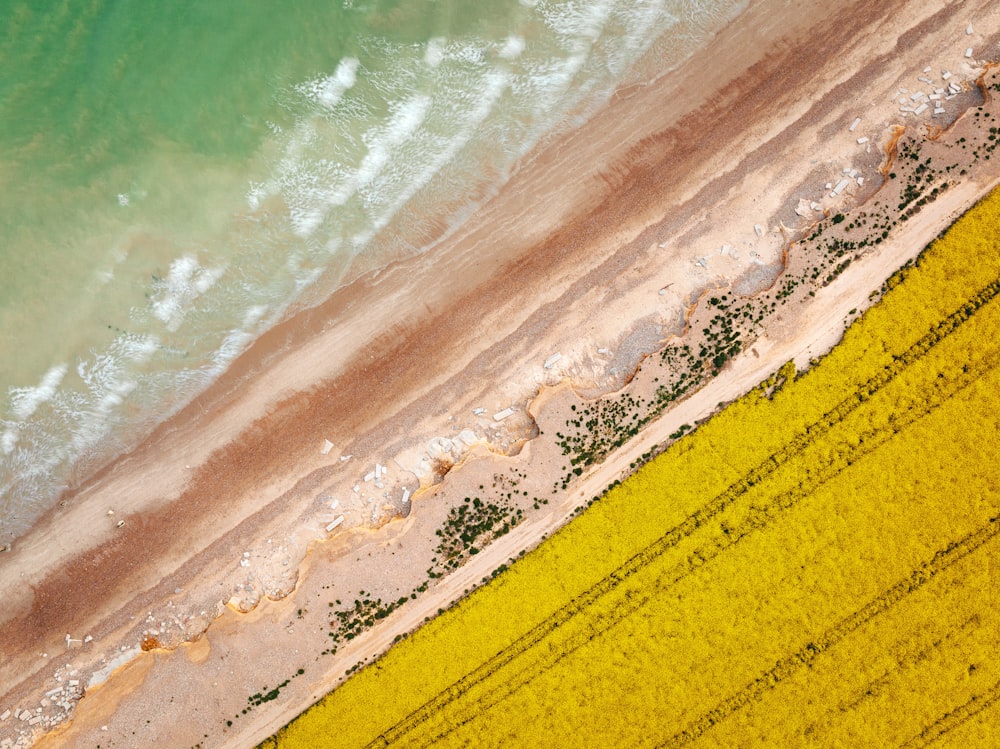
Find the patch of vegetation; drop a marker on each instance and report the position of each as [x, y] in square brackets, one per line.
[468, 528]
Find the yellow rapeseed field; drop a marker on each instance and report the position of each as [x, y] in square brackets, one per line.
[816, 566]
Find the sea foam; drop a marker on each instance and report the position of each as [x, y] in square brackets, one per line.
[359, 156]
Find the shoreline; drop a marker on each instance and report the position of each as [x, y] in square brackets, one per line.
[271, 500]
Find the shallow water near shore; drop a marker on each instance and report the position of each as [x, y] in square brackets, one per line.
[179, 179]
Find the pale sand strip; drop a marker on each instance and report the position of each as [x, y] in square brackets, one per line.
[754, 132]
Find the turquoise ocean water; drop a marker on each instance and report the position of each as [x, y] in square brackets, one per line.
[176, 176]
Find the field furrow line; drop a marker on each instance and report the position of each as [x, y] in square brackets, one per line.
[941, 561]
[638, 595]
[759, 473]
[955, 718]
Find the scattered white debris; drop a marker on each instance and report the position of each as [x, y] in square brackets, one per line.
[939, 110]
[759, 230]
[862, 140]
[327, 447]
[406, 495]
[945, 75]
[478, 411]
[337, 521]
[927, 69]
[935, 96]
[370, 476]
[829, 185]
[605, 351]
[120, 523]
[917, 96]
[840, 186]
[88, 638]
[357, 488]
[816, 206]
[552, 360]
[501, 415]
[968, 30]
[4, 715]
[968, 52]
[924, 79]
[857, 121]
[920, 109]
[335, 504]
[861, 181]
[345, 458]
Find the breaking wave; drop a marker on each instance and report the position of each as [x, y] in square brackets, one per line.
[358, 158]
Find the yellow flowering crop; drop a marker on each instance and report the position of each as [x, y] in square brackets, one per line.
[816, 566]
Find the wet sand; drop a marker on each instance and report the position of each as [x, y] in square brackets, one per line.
[225, 499]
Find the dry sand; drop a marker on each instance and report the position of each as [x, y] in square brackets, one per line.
[225, 499]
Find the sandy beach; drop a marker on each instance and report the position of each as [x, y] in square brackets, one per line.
[456, 369]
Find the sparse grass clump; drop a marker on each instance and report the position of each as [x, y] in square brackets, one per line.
[812, 566]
